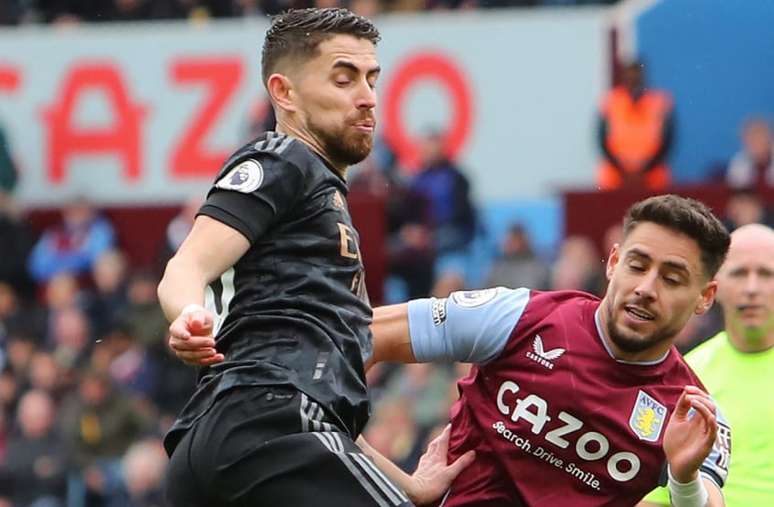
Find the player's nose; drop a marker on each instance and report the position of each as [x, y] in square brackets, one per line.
[752, 284]
[646, 286]
[366, 96]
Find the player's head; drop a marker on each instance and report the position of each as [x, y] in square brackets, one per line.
[757, 138]
[746, 285]
[320, 69]
[662, 271]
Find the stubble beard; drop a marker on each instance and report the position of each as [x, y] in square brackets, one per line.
[632, 342]
[341, 148]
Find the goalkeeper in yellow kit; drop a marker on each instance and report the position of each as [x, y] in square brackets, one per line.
[737, 367]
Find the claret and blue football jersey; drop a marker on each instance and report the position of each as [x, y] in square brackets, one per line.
[554, 417]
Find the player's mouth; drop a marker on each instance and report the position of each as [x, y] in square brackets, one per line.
[638, 314]
[366, 126]
[750, 309]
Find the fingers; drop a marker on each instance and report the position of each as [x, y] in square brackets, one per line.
[199, 322]
[442, 440]
[684, 402]
[203, 357]
[192, 343]
[178, 329]
[461, 463]
[682, 407]
[706, 410]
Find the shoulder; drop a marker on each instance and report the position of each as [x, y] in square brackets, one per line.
[270, 155]
[546, 302]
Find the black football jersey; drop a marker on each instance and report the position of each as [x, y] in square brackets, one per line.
[294, 309]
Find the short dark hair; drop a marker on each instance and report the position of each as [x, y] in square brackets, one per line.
[299, 32]
[687, 216]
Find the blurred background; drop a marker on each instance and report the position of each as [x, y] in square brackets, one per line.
[512, 136]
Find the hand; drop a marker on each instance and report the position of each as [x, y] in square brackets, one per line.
[190, 338]
[433, 476]
[688, 439]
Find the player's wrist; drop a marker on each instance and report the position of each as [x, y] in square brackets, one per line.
[687, 493]
[682, 475]
[191, 308]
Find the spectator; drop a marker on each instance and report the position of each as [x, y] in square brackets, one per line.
[9, 175]
[34, 469]
[70, 338]
[74, 246]
[45, 375]
[518, 266]
[17, 317]
[144, 466]
[16, 240]
[753, 166]
[441, 183]
[99, 424]
[129, 364]
[410, 249]
[178, 229]
[143, 316]
[109, 299]
[745, 206]
[635, 134]
[579, 267]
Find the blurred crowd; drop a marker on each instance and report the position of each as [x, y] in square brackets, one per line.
[68, 12]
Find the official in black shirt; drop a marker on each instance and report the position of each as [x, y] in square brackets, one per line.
[274, 258]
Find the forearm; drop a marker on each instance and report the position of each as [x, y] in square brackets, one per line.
[182, 284]
[715, 496]
[700, 492]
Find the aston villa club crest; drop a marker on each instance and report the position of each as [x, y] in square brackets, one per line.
[648, 417]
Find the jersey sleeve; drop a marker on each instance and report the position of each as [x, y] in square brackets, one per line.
[251, 194]
[471, 326]
[715, 466]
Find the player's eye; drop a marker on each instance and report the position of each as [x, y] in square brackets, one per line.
[672, 281]
[638, 268]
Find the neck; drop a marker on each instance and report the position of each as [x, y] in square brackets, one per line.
[750, 340]
[305, 136]
[651, 354]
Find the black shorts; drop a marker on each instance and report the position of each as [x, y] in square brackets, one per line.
[273, 447]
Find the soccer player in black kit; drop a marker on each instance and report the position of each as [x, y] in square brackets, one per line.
[274, 258]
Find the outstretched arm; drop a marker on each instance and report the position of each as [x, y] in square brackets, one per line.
[392, 339]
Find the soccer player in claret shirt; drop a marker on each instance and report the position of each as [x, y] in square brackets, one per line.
[573, 401]
[275, 257]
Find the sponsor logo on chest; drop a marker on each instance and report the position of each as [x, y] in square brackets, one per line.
[541, 356]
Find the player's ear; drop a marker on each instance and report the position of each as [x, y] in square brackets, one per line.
[706, 298]
[281, 91]
[612, 260]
